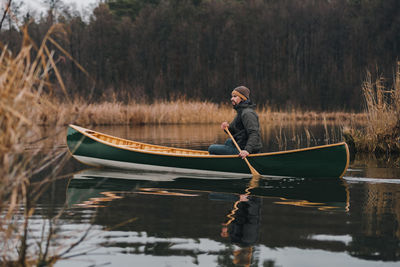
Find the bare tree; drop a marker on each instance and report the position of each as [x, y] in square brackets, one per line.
[53, 5]
[7, 8]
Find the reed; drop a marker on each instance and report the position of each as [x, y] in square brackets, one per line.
[181, 111]
[25, 150]
[292, 137]
[164, 112]
[381, 133]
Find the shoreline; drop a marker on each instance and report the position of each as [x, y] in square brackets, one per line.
[179, 112]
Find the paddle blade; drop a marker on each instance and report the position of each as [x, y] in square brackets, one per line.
[253, 171]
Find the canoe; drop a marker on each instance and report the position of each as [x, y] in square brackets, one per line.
[103, 150]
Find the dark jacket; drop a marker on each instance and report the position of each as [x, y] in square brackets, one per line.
[245, 127]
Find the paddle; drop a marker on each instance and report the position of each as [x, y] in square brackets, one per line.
[254, 172]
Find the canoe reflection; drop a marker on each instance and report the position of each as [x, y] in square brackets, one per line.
[97, 187]
[233, 212]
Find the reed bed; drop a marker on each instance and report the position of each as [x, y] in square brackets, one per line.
[180, 111]
[25, 152]
[381, 133]
[266, 115]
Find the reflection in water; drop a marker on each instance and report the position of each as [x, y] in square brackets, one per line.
[93, 183]
[275, 136]
[243, 224]
[378, 207]
[96, 202]
[375, 199]
[172, 206]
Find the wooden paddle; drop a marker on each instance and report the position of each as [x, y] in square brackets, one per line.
[254, 172]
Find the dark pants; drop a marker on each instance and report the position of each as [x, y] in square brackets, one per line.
[226, 149]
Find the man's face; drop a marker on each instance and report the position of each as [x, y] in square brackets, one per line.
[235, 100]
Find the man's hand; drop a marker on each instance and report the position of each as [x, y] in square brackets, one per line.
[224, 125]
[243, 154]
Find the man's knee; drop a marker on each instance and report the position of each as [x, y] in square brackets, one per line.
[218, 149]
[213, 149]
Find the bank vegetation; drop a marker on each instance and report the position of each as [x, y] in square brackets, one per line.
[180, 111]
[26, 152]
[381, 131]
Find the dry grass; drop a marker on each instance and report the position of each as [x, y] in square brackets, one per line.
[24, 98]
[266, 115]
[381, 133]
[180, 111]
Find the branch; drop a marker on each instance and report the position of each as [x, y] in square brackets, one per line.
[5, 13]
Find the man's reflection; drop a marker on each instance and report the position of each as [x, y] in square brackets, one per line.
[243, 222]
[242, 227]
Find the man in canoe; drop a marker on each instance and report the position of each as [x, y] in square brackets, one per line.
[245, 127]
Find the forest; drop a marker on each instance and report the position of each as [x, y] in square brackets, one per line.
[307, 54]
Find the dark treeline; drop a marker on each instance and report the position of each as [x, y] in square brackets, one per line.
[312, 54]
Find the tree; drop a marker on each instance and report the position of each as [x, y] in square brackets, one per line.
[5, 12]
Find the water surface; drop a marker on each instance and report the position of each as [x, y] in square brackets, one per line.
[166, 219]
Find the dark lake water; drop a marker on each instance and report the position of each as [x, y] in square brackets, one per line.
[165, 219]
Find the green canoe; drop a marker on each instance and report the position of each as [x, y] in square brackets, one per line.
[99, 149]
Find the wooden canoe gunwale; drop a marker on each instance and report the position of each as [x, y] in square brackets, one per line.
[195, 153]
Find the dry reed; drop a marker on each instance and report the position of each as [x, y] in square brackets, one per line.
[24, 98]
[381, 133]
[180, 111]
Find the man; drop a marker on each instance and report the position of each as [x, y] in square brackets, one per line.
[245, 127]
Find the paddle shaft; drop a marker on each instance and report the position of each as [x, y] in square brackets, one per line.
[253, 171]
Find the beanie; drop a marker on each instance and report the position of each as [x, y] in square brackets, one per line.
[242, 91]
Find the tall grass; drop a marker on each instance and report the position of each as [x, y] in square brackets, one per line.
[24, 97]
[181, 111]
[163, 112]
[381, 133]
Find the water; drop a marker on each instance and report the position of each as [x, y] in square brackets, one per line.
[166, 219]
